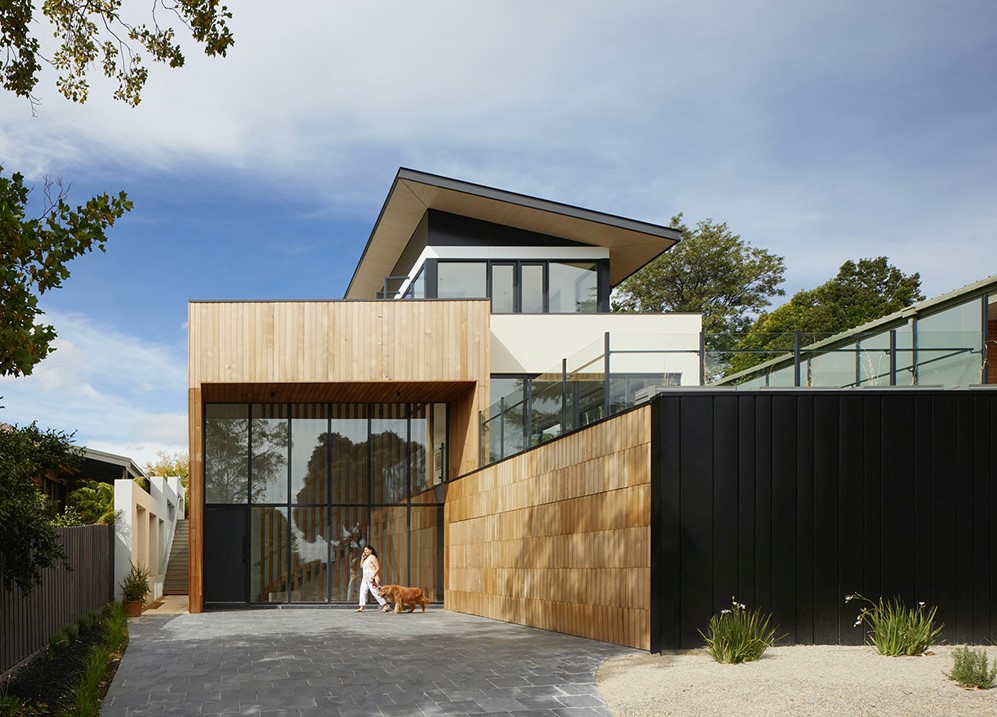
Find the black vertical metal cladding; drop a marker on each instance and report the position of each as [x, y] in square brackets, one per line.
[902, 503]
[805, 520]
[666, 614]
[965, 576]
[763, 501]
[944, 486]
[784, 515]
[898, 496]
[841, 438]
[725, 499]
[873, 523]
[922, 535]
[992, 461]
[983, 558]
[696, 476]
[746, 498]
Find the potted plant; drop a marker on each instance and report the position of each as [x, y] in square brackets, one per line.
[134, 589]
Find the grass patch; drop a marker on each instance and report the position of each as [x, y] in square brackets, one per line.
[739, 635]
[971, 669]
[894, 628]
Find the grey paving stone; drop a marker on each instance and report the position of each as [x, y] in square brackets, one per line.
[335, 663]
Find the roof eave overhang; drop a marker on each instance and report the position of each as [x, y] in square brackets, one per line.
[631, 243]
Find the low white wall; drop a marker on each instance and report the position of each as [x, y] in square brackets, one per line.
[143, 530]
[534, 343]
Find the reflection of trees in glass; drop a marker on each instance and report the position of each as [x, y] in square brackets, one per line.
[388, 466]
[226, 458]
[226, 451]
[270, 443]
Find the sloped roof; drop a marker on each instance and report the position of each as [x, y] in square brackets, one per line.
[631, 243]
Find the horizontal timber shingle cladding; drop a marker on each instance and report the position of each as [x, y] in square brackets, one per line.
[334, 351]
[558, 537]
[789, 500]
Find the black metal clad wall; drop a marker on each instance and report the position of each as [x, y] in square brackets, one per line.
[789, 500]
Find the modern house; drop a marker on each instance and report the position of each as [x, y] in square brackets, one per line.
[472, 410]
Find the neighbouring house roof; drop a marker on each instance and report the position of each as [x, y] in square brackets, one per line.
[107, 467]
[631, 243]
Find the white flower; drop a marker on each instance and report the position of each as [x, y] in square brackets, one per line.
[848, 598]
[725, 612]
[857, 622]
[920, 604]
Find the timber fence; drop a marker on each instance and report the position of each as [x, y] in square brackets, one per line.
[27, 621]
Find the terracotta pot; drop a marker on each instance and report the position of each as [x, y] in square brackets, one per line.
[133, 608]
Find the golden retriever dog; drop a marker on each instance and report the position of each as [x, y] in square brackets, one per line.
[404, 597]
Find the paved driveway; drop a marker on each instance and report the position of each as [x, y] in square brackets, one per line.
[338, 663]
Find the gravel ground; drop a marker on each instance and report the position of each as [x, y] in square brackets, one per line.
[797, 681]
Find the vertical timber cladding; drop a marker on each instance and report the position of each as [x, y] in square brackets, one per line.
[558, 537]
[327, 344]
[789, 500]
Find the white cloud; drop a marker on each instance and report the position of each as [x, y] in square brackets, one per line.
[116, 392]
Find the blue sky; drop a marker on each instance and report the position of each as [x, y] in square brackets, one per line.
[822, 133]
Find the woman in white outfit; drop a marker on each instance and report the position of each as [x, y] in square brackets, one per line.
[371, 567]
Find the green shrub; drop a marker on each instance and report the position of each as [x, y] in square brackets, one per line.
[116, 626]
[10, 706]
[72, 631]
[88, 621]
[135, 585]
[85, 693]
[970, 669]
[737, 635]
[58, 642]
[895, 629]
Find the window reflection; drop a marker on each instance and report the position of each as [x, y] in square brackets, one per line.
[461, 280]
[574, 287]
[309, 453]
[226, 453]
[533, 288]
[269, 459]
[503, 288]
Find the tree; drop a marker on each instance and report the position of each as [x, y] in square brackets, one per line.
[170, 464]
[94, 502]
[90, 34]
[34, 260]
[711, 271]
[861, 292]
[28, 542]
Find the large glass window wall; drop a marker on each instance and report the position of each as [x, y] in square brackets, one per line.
[320, 481]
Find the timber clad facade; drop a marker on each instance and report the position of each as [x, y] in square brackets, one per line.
[559, 537]
[472, 411]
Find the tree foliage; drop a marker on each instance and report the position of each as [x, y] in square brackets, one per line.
[711, 271]
[861, 292]
[35, 257]
[94, 501]
[28, 542]
[102, 35]
[170, 464]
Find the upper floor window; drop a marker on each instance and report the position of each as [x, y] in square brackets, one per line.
[462, 280]
[523, 287]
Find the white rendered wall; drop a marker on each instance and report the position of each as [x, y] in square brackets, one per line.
[534, 343]
[143, 529]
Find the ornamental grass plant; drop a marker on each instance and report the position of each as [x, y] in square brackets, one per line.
[895, 629]
[739, 635]
[970, 669]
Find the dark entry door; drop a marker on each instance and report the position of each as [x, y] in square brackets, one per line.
[225, 554]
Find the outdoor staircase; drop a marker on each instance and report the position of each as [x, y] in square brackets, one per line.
[176, 582]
